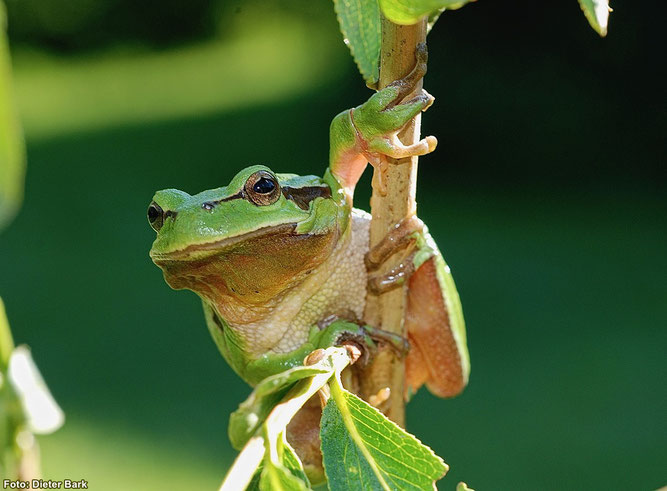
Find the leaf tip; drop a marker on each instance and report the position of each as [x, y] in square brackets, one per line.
[597, 14]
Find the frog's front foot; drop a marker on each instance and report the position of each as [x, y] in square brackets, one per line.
[378, 121]
[339, 331]
[369, 133]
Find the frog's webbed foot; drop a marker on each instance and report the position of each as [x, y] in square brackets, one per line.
[377, 132]
[385, 114]
[402, 238]
[390, 146]
[369, 133]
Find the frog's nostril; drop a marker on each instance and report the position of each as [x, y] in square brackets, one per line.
[155, 216]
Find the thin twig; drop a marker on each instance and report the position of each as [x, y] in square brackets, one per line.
[387, 311]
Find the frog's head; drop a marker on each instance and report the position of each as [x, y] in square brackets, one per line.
[250, 240]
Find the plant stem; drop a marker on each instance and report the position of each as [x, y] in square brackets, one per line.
[397, 58]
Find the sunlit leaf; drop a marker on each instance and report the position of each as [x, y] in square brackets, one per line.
[245, 421]
[597, 13]
[433, 18]
[12, 152]
[362, 449]
[360, 24]
[291, 461]
[245, 473]
[254, 483]
[410, 11]
[267, 447]
[283, 470]
[278, 478]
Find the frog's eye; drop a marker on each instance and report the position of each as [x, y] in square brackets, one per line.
[155, 216]
[262, 188]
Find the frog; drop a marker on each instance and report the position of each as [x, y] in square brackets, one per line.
[283, 265]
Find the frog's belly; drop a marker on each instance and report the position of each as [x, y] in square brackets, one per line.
[338, 287]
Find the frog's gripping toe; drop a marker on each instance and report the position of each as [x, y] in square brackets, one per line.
[425, 100]
[394, 148]
[407, 84]
[401, 114]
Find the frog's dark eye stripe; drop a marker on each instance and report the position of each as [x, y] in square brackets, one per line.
[262, 188]
[303, 196]
[209, 205]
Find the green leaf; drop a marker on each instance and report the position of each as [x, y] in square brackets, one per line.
[463, 487]
[362, 449]
[433, 18]
[282, 468]
[267, 446]
[291, 461]
[245, 473]
[254, 483]
[278, 478]
[12, 151]
[244, 422]
[360, 24]
[408, 12]
[597, 13]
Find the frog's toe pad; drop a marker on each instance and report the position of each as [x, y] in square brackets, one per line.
[424, 100]
[395, 149]
[422, 147]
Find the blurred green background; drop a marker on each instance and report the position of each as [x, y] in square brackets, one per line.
[545, 195]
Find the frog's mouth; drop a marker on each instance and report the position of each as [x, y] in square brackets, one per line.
[195, 252]
[253, 267]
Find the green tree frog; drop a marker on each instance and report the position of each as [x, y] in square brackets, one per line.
[282, 262]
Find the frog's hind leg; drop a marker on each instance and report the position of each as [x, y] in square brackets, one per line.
[438, 356]
[434, 323]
